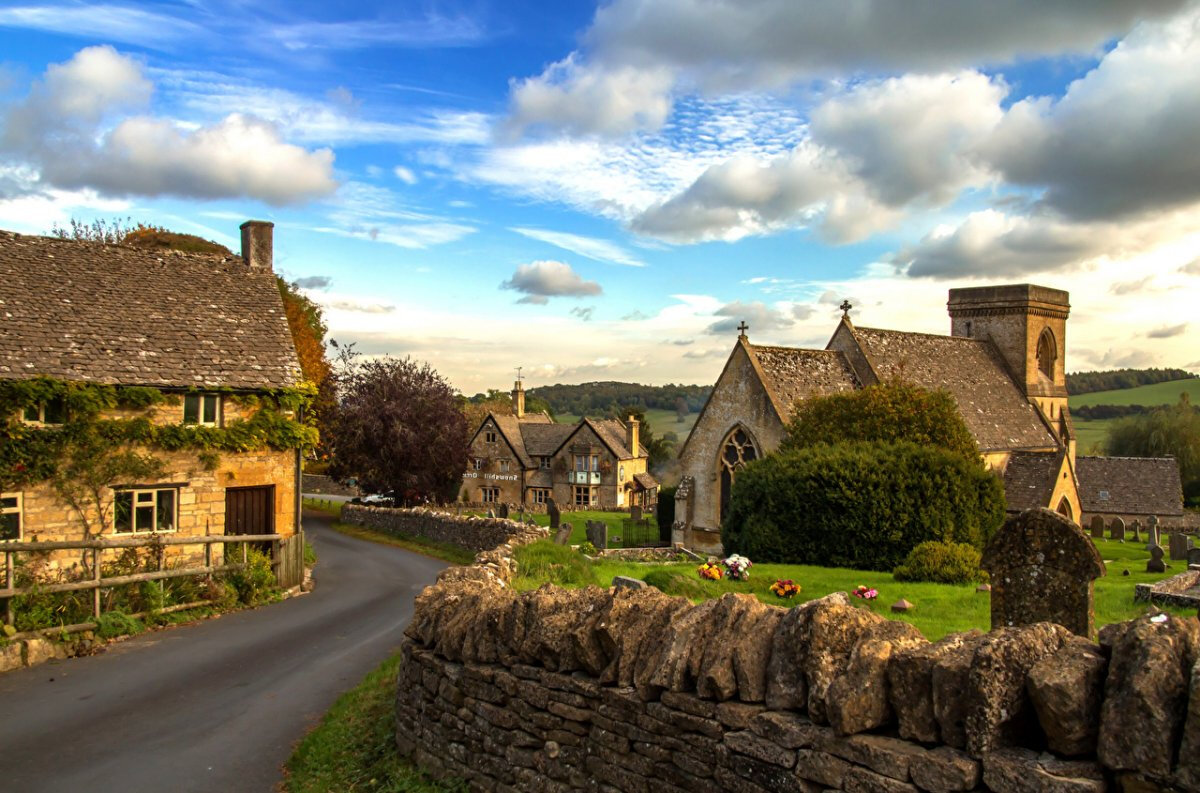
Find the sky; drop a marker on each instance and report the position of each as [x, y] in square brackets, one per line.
[604, 191]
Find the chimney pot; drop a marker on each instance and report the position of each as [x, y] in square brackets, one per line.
[632, 433]
[258, 244]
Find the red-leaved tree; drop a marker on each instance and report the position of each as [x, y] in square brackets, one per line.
[397, 429]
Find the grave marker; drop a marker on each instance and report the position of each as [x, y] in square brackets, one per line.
[1178, 544]
[1097, 527]
[1152, 532]
[555, 514]
[1116, 530]
[504, 511]
[597, 534]
[1155, 565]
[635, 513]
[1137, 530]
[1193, 557]
[563, 535]
[1042, 568]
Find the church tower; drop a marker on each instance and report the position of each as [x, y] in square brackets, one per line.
[1028, 324]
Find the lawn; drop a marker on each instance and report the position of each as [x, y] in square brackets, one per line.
[1092, 434]
[1155, 394]
[940, 608]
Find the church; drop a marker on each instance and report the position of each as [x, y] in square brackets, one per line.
[1003, 363]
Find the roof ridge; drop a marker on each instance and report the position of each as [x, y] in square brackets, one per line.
[921, 333]
[18, 236]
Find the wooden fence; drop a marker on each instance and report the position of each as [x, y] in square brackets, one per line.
[287, 563]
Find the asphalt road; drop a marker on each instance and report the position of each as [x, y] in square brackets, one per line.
[215, 706]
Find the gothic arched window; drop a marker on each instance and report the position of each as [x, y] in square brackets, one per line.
[1047, 352]
[737, 450]
[1064, 509]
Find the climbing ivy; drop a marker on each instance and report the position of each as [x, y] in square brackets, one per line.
[31, 453]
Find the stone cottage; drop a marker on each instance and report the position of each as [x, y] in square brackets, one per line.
[527, 458]
[192, 353]
[1003, 363]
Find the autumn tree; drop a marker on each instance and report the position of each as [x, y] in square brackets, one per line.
[398, 429]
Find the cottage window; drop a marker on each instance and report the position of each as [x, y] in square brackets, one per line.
[490, 436]
[49, 413]
[10, 516]
[540, 495]
[137, 511]
[489, 495]
[587, 462]
[583, 496]
[504, 466]
[478, 463]
[545, 464]
[202, 409]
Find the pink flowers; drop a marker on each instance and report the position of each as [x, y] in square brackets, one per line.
[865, 592]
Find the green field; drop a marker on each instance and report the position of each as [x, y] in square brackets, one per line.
[661, 421]
[1091, 435]
[940, 608]
[1156, 394]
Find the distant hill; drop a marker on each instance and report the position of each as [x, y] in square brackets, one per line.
[1115, 379]
[1148, 396]
[598, 399]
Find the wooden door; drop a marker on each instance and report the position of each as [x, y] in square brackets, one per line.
[250, 510]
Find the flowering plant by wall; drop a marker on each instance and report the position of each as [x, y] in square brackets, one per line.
[865, 592]
[785, 588]
[710, 571]
[738, 567]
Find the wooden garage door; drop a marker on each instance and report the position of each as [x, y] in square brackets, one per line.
[250, 510]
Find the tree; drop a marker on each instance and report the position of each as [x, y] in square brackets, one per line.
[659, 450]
[398, 429]
[1168, 431]
[891, 411]
[681, 410]
[307, 326]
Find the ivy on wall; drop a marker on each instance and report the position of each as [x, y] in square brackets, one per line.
[31, 453]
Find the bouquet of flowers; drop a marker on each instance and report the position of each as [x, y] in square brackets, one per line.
[785, 588]
[711, 571]
[865, 592]
[738, 567]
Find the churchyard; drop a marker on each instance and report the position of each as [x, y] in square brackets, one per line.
[940, 609]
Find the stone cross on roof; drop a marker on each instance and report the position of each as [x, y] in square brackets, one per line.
[845, 307]
[742, 328]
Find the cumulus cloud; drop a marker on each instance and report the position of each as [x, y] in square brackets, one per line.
[757, 315]
[361, 307]
[65, 129]
[736, 45]
[541, 280]
[1191, 268]
[314, 282]
[1131, 287]
[1168, 331]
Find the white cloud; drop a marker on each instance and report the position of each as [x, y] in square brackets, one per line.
[591, 247]
[541, 280]
[102, 21]
[1168, 331]
[314, 282]
[361, 307]
[1191, 268]
[405, 174]
[757, 315]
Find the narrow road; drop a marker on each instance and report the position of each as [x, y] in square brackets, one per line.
[215, 706]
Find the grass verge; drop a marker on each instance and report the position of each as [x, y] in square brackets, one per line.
[941, 608]
[354, 746]
[439, 550]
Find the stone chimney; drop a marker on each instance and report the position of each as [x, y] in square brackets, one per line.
[631, 436]
[257, 244]
[518, 399]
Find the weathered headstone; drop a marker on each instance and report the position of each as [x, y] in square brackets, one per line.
[1042, 568]
[1178, 544]
[1137, 530]
[1155, 565]
[504, 511]
[597, 533]
[625, 582]
[1116, 530]
[1097, 527]
[563, 535]
[1193, 557]
[635, 513]
[555, 514]
[1152, 532]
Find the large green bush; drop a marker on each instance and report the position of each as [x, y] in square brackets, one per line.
[941, 563]
[863, 505]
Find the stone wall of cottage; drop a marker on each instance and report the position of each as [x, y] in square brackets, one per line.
[632, 690]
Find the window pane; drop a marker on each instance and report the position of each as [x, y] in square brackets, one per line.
[166, 510]
[210, 409]
[191, 409]
[123, 512]
[145, 497]
[56, 411]
[10, 526]
[8, 503]
[33, 413]
[144, 518]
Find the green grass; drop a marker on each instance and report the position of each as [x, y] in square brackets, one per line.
[447, 552]
[324, 506]
[1155, 394]
[1091, 435]
[941, 608]
[354, 746]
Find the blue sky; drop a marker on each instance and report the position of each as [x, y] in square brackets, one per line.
[604, 191]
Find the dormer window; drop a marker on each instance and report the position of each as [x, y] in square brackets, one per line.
[52, 412]
[489, 436]
[202, 409]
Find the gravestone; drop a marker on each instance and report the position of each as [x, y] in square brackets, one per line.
[1155, 565]
[555, 515]
[491, 514]
[635, 513]
[1137, 530]
[1097, 527]
[1193, 557]
[1152, 532]
[1178, 544]
[625, 582]
[1116, 530]
[504, 511]
[563, 535]
[597, 534]
[1042, 567]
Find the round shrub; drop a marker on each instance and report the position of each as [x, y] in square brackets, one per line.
[941, 563]
[863, 505]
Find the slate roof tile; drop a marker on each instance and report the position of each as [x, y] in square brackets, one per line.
[1029, 479]
[1130, 485]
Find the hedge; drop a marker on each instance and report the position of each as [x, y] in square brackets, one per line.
[862, 505]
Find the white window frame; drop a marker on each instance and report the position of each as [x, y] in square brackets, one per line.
[489, 495]
[203, 396]
[135, 504]
[18, 510]
[40, 421]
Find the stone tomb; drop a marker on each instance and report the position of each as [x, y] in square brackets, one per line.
[1116, 530]
[1042, 569]
[1097, 527]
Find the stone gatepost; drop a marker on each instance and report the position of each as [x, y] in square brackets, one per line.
[1042, 568]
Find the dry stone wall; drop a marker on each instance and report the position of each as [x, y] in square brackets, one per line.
[633, 690]
[477, 534]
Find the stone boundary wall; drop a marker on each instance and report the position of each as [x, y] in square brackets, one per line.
[325, 486]
[476, 534]
[633, 690]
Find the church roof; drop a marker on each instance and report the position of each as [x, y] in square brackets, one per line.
[792, 373]
[995, 410]
[1130, 485]
[119, 314]
[1029, 479]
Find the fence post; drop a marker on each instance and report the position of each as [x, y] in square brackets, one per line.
[8, 576]
[207, 545]
[96, 579]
